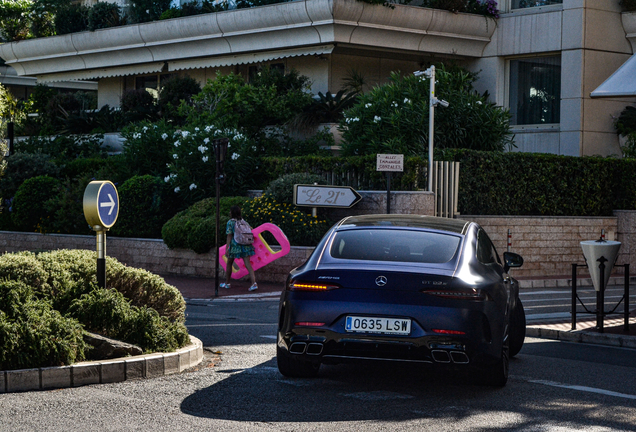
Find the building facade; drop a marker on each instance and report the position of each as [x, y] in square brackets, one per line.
[541, 59]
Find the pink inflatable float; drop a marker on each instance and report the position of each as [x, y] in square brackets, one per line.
[264, 253]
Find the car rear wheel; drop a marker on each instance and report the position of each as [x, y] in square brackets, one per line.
[291, 365]
[496, 374]
[517, 329]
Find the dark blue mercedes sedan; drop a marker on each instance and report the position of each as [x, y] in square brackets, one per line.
[403, 288]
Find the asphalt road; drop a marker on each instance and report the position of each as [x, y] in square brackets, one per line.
[554, 386]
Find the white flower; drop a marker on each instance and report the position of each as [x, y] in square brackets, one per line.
[394, 104]
[206, 141]
[196, 129]
[407, 100]
[175, 156]
[376, 119]
[145, 129]
[177, 143]
[164, 136]
[254, 148]
[136, 135]
[204, 158]
[177, 189]
[367, 105]
[193, 186]
[478, 102]
[235, 156]
[208, 128]
[185, 134]
[202, 149]
[166, 179]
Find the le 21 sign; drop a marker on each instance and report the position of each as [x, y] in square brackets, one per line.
[325, 196]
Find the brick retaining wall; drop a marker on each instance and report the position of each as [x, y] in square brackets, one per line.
[549, 244]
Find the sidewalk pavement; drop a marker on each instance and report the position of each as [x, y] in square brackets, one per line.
[197, 290]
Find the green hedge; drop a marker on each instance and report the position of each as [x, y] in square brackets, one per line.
[492, 183]
[543, 184]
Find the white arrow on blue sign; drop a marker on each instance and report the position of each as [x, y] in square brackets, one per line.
[101, 204]
[108, 203]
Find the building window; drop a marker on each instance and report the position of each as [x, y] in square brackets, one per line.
[522, 4]
[535, 90]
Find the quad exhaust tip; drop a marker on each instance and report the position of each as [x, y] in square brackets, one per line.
[441, 356]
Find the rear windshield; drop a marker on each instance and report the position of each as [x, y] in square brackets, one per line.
[394, 245]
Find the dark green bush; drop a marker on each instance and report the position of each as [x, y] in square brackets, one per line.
[147, 10]
[193, 228]
[32, 333]
[175, 90]
[109, 313]
[83, 167]
[26, 268]
[148, 148]
[71, 18]
[22, 166]
[29, 204]
[143, 211]
[282, 189]
[66, 208]
[542, 184]
[104, 15]
[137, 105]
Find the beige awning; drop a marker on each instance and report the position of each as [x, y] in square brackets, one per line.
[259, 57]
[621, 83]
[103, 73]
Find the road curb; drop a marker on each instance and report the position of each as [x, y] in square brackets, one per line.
[103, 372]
[582, 336]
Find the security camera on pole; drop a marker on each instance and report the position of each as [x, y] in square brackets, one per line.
[101, 208]
[433, 102]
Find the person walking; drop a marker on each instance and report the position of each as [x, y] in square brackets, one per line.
[234, 249]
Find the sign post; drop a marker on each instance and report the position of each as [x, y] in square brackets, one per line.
[220, 151]
[325, 196]
[101, 208]
[389, 163]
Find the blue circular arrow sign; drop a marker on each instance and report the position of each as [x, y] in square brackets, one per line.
[101, 204]
[108, 204]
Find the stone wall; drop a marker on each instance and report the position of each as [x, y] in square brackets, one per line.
[549, 244]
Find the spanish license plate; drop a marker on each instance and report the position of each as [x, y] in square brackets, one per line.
[359, 324]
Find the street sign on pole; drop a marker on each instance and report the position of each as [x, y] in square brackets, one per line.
[389, 163]
[101, 208]
[101, 204]
[325, 196]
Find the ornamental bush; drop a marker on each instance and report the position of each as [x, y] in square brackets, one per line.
[393, 118]
[14, 24]
[301, 228]
[32, 333]
[143, 210]
[282, 189]
[23, 166]
[30, 212]
[193, 228]
[147, 149]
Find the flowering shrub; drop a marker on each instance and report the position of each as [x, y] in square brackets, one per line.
[14, 22]
[147, 149]
[192, 166]
[301, 228]
[393, 118]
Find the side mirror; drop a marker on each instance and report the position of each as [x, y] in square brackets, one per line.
[512, 260]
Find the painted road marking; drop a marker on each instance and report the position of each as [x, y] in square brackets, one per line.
[584, 389]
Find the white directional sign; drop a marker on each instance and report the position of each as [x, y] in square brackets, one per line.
[101, 204]
[325, 196]
[390, 162]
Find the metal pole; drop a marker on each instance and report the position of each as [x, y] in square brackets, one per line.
[431, 128]
[574, 296]
[101, 258]
[626, 295]
[388, 192]
[600, 297]
[217, 221]
[509, 240]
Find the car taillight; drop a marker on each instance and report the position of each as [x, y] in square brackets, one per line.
[309, 324]
[462, 294]
[310, 286]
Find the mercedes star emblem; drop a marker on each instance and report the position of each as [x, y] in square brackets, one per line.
[380, 280]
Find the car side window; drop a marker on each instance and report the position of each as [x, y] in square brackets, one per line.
[486, 252]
